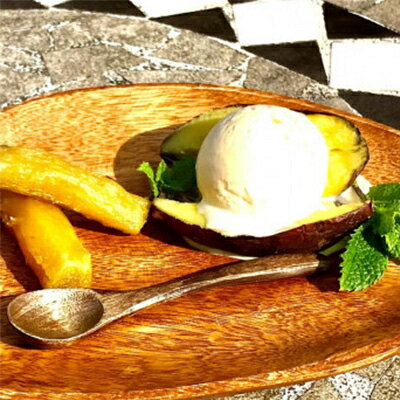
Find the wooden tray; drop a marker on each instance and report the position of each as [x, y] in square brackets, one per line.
[223, 340]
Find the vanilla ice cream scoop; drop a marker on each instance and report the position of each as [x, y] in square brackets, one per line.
[259, 170]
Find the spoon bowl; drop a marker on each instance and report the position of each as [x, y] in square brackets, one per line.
[55, 313]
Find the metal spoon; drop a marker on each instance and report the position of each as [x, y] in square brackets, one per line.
[53, 317]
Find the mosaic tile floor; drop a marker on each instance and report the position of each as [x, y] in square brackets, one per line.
[325, 52]
[353, 46]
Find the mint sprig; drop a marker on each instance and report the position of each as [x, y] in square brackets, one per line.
[385, 216]
[145, 167]
[364, 260]
[385, 192]
[177, 181]
[369, 248]
[392, 240]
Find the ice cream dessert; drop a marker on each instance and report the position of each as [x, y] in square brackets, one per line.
[261, 169]
[271, 180]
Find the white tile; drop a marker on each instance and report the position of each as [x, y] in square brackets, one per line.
[228, 12]
[323, 42]
[276, 21]
[161, 8]
[51, 3]
[366, 65]
[352, 386]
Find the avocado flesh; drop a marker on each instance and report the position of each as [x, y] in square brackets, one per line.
[187, 139]
[188, 213]
[348, 151]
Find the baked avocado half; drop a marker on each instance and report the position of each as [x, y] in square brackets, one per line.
[347, 156]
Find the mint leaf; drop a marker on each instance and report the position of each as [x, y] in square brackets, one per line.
[385, 192]
[177, 182]
[385, 214]
[145, 167]
[364, 260]
[162, 167]
[181, 176]
[392, 239]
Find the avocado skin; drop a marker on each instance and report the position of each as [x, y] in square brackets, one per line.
[302, 239]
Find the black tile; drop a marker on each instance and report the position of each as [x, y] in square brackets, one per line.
[342, 24]
[381, 108]
[19, 4]
[303, 57]
[209, 22]
[124, 7]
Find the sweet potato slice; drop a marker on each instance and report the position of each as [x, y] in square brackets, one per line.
[47, 240]
[49, 177]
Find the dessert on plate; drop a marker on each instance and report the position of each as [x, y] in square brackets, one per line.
[270, 180]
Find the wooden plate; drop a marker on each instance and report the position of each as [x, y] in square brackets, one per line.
[223, 340]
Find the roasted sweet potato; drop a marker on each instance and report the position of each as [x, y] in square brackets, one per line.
[47, 240]
[49, 177]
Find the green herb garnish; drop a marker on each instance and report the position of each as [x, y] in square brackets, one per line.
[145, 167]
[370, 246]
[385, 192]
[177, 181]
[392, 240]
[364, 260]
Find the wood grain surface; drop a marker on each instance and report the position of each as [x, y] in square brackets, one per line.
[223, 340]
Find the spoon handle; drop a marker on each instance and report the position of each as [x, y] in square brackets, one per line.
[118, 304]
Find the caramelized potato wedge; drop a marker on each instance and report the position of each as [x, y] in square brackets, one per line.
[48, 241]
[49, 177]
